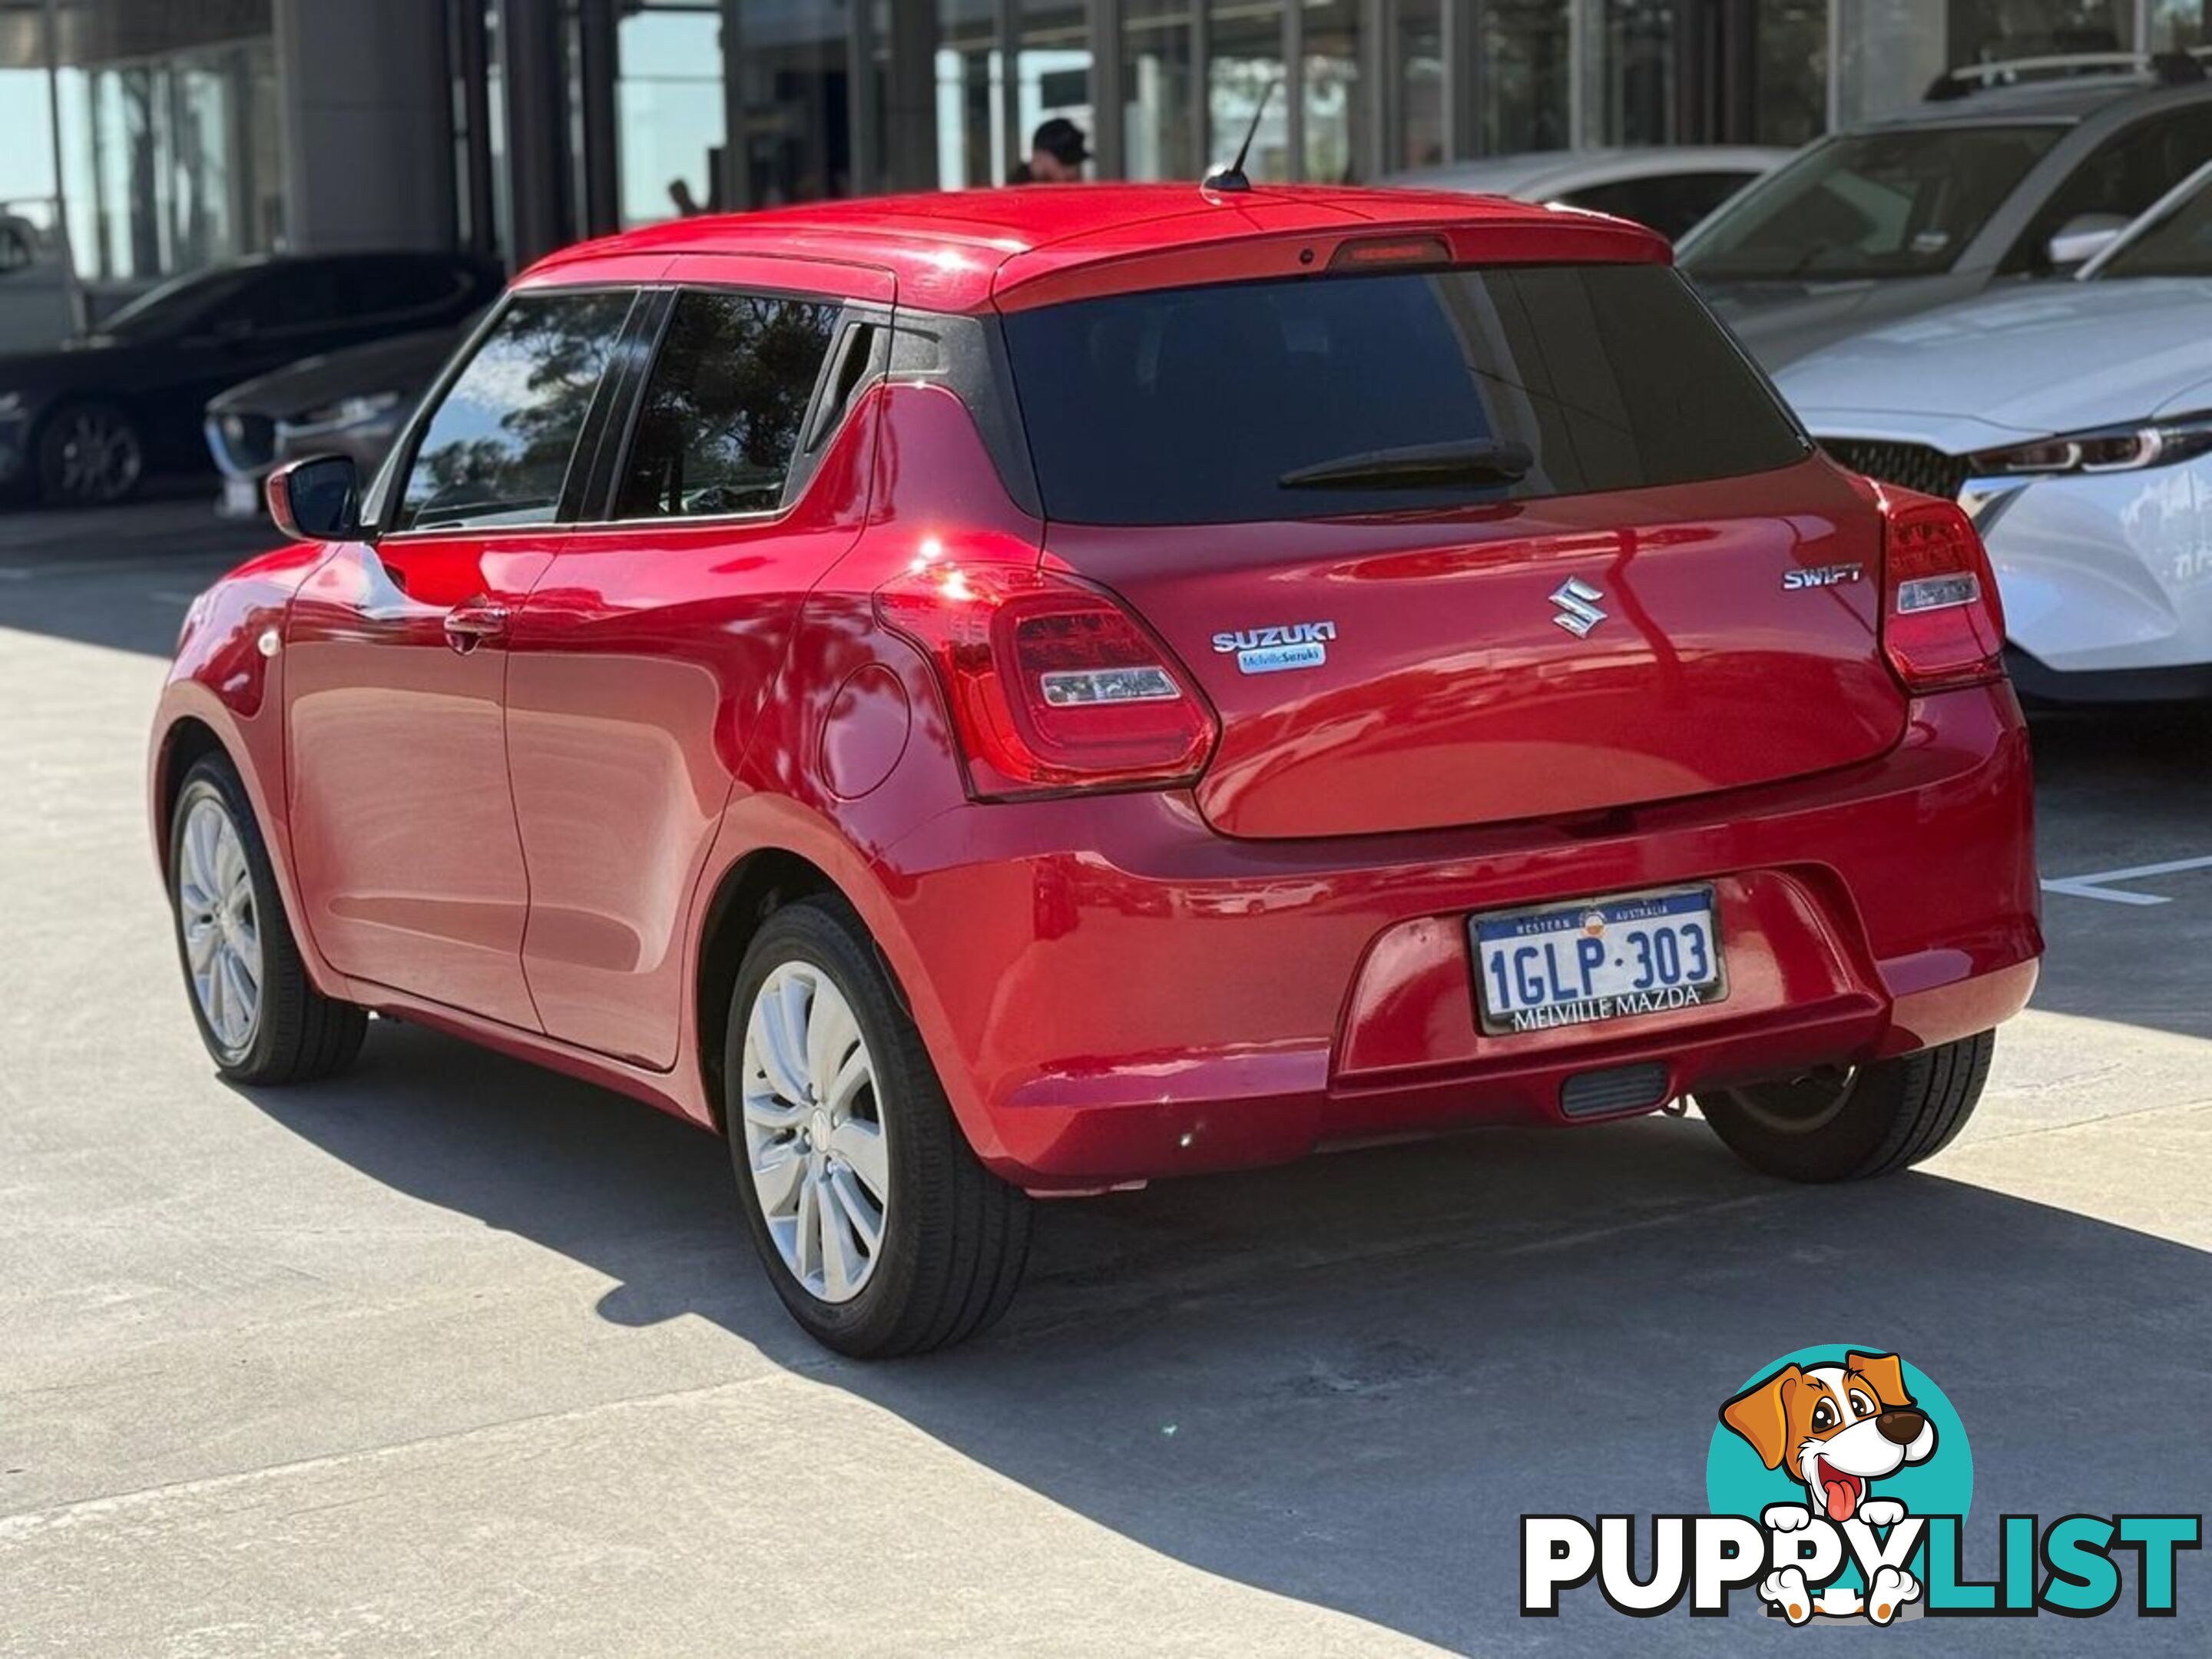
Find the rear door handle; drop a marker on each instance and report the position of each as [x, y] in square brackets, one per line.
[468, 626]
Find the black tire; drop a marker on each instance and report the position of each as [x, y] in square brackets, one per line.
[954, 1236]
[298, 1034]
[1872, 1121]
[90, 454]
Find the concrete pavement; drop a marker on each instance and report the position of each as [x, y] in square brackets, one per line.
[454, 1356]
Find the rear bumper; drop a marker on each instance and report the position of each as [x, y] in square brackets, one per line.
[1115, 993]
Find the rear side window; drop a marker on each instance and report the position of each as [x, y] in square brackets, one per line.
[1317, 397]
[497, 451]
[721, 415]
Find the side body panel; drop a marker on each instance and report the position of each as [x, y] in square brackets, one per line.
[637, 676]
[404, 836]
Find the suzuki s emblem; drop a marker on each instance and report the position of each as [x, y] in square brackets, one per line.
[1577, 602]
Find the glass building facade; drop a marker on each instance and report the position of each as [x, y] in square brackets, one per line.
[178, 131]
[736, 103]
[155, 128]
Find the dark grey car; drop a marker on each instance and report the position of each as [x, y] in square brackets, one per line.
[1979, 187]
[343, 403]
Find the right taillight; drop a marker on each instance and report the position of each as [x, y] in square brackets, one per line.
[1941, 625]
[1052, 684]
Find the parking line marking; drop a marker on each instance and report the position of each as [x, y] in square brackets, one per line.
[2098, 886]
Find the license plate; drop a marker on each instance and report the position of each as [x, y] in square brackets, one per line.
[241, 498]
[1596, 959]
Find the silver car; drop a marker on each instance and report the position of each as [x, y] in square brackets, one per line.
[1669, 188]
[2074, 422]
[1977, 187]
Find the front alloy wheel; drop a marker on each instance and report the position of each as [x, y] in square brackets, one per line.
[221, 933]
[259, 1014]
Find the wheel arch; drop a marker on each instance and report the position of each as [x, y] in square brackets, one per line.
[185, 742]
[194, 723]
[753, 889]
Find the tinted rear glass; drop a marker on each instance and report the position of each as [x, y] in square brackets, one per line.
[1192, 405]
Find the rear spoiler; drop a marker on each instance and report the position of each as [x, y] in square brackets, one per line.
[1496, 233]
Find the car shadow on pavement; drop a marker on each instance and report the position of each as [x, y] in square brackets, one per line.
[1344, 1381]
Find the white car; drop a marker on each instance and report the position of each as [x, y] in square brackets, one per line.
[2074, 421]
[1668, 187]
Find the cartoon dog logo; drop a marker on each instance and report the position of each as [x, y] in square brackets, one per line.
[1836, 1429]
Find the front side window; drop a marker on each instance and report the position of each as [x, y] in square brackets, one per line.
[1313, 397]
[2179, 243]
[497, 450]
[2120, 179]
[1872, 204]
[721, 415]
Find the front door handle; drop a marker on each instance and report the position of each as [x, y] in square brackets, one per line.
[468, 626]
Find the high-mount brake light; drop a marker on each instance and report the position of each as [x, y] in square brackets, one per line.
[1052, 684]
[1361, 252]
[1942, 624]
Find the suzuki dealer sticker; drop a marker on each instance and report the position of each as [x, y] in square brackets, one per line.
[1272, 650]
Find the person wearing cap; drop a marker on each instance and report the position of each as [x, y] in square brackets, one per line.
[1058, 150]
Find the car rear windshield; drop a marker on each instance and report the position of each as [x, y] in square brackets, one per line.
[1319, 396]
[1868, 206]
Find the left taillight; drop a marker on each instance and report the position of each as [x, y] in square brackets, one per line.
[1052, 685]
[1941, 625]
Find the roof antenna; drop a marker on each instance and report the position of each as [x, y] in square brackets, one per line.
[1231, 179]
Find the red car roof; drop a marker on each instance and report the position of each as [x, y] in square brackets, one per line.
[968, 250]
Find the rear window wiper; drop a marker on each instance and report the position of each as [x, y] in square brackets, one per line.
[1412, 465]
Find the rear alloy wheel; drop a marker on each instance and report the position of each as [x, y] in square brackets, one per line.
[880, 1230]
[814, 1133]
[1850, 1124]
[262, 1019]
[89, 455]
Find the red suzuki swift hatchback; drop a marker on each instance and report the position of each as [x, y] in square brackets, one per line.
[985, 695]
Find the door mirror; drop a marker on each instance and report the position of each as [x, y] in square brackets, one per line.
[2083, 237]
[317, 500]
